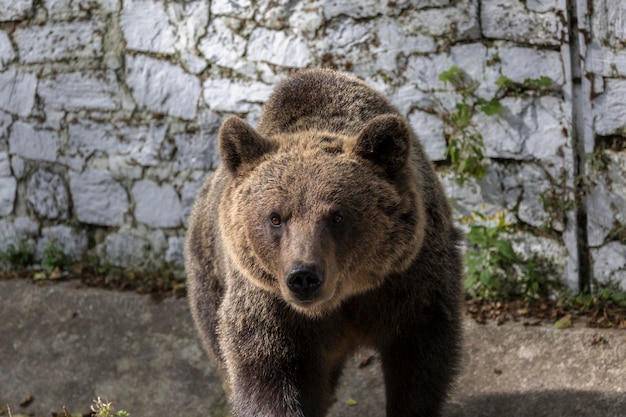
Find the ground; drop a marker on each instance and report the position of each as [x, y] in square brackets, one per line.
[64, 344]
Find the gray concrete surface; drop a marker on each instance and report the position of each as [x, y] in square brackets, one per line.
[65, 345]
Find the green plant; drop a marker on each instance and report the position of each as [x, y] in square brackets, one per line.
[17, 254]
[489, 258]
[105, 409]
[507, 86]
[465, 143]
[54, 257]
[466, 150]
[494, 270]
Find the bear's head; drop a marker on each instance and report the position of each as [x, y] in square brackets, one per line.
[317, 217]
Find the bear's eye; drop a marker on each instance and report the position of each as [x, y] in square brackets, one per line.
[275, 220]
[337, 217]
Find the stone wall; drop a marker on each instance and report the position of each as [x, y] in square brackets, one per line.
[109, 111]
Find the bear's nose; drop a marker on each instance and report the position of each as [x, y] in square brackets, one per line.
[304, 280]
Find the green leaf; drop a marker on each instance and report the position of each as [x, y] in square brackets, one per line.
[564, 323]
[494, 107]
[544, 81]
[505, 249]
[477, 236]
[503, 81]
[450, 75]
[351, 402]
[38, 276]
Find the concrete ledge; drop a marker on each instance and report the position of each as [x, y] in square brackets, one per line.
[65, 345]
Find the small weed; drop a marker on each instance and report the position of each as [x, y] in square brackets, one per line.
[466, 150]
[465, 143]
[105, 409]
[494, 270]
[507, 86]
[17, 254]
[54, 257]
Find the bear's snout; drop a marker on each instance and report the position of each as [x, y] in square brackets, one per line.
[305, 280]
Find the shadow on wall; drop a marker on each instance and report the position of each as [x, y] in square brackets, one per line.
[561, 403]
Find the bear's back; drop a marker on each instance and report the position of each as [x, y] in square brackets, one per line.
[323, 100]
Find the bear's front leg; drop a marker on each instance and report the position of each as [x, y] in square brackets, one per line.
[271, 362]
[419, 369]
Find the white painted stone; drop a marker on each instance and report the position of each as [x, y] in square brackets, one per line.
[21, 229]
[196, 151]
[511, 20]
[31, 143]
[543, 6]
[8, 189]
[527, 129]
[242, 9]
[371, 8]
[174, 255]
[58, 7]
[616, 173]
[47, 194]
[606, 197]
[158, 241]
[470, 196]
[125, 250]
[424, 70]
[80, 91]
[444, 24]
[7, 54]
[609, 109]
[146, 27]
[5, 165]
[17, 91]
[278, 48]
[191, 20]
[221, 45]
[306, 19]
[408, 96]
[535, 184]
[58, 41]
[605, 61]
[162, 87]
[98, 199]
[346, 34]
[392, 43]
[188, 194]
[599, 213]
[15, 9]
[17, 166]
[24, 226]
[5, 123]
[88, 137]
[528, 246]
[193, 63]
[235, 96]
[429, 130]
[156, 206]
[609, 22]
[121, 168]
[68, 9]
[71, 242]
[145, 143]
[609, 264]
[547, 129]
[520, 64]
[138, 143]
[272, 14]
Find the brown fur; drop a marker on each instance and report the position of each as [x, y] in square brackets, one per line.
[333, 180]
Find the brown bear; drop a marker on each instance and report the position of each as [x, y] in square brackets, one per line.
[323, 230]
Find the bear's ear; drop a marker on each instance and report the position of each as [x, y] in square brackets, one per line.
[385, 141]
[240, 144]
